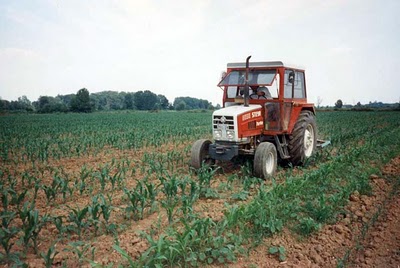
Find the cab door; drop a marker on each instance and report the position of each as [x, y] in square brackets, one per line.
[293, 94]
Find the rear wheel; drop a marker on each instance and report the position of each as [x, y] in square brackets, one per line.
[200, 154]
[265, 160]
[303, 141]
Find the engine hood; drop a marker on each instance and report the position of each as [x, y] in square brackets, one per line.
[236, 110]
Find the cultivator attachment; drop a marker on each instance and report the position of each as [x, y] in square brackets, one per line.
[322, 143]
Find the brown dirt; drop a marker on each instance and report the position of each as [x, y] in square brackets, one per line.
[367, 235]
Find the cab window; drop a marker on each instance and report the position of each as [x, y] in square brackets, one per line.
[299, 86]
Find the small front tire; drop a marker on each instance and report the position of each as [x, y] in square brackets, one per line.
[265, 160]
[199, 153]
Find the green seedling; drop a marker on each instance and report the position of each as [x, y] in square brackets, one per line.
[78, 219]
[31, 228]
[49, 256]
[279, 251]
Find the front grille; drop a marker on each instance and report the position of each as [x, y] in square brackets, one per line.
[223, 120]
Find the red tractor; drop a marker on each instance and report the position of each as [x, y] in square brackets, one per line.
[265, 115]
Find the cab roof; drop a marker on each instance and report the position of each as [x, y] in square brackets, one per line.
[261, 64]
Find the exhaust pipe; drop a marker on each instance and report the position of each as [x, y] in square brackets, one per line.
[246, 84]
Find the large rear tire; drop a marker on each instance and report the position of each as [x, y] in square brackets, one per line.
[200, 154]
[265, 160]
[303, 140]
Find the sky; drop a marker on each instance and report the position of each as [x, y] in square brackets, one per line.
[349, 49]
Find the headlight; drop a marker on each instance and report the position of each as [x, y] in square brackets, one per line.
[230, 134]
[217, 134]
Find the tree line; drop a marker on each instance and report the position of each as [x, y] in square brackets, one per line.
[371, 105]
[85, 102]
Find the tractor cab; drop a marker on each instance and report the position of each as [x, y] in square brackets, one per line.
[274, 86]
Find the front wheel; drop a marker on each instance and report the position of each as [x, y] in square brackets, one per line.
[265, 160]
[200, 154]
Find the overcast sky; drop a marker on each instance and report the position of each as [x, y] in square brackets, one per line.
[350, 49]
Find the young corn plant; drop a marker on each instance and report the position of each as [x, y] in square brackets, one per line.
[115, 179]
[104, 176]
[78, 219]
[49, 256]
[5, 200]
[94, 211]
[32, 227]
[135, 199]
[83, 176]
[58, 223]
[65, 188]
[7, 235]
[23, 212]
[17, 198]
[205, 175]
[37, 186]
[106, 209]
[151, 192]
[189, 195]
[54, 189]
[81, 249]
[142, 193]
[170, 188]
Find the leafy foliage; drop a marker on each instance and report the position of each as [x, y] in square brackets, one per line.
[81, 102]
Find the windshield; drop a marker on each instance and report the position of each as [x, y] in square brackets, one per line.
[256, 77]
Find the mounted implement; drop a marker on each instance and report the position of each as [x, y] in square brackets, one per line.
[266, 116]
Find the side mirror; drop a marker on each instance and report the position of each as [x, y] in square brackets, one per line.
[223, 74]
[291, 77]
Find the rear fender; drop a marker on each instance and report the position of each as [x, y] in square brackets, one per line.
[296, 110]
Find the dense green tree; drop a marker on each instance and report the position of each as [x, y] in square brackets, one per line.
[4, 105]
[339, 104]
[180, 106]
[128, 101]
[47, 104]
[66, 99]
[192, 103]
[25, 103]
[22, 104]
[145, 100]
[163, 102]
[108, 100]
[81, 102]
